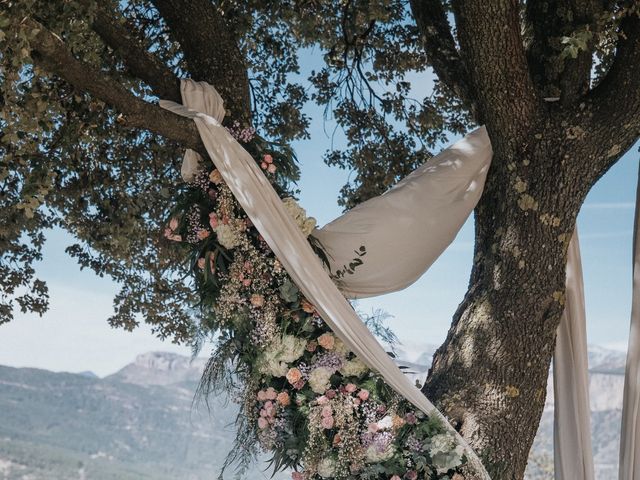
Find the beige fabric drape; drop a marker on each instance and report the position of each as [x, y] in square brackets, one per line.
[406, 229]
[630, 435]
[265, 209]
[573, 457]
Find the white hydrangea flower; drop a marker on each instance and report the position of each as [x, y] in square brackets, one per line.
[326, 468]
[386, 423]
[340, 348]
[228, 236]
[374, 455]
[445, 452]
[291, 348]
[299, 214]
[353, 368]
[270, 363]
[319, 379]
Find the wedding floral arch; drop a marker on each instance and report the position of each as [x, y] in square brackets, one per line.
[306, 396]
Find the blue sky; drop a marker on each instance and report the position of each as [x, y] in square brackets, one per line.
[74, 334]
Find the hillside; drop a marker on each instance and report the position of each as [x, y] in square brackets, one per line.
[70, 426]
[141, 423]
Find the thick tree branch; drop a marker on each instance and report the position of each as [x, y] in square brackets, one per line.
[615, 114]
[50, 52]
[137, 59]
[440, 48]
[210, 50]
[556, 75]
[491, 48]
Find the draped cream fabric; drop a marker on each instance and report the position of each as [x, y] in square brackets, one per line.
[405, 230]
[265, 209]
[630, 436]
[573, 458]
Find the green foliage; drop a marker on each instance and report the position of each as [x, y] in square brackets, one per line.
[67, 160]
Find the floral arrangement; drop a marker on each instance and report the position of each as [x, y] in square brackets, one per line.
[304, 397]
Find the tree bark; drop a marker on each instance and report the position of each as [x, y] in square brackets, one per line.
[490, 375]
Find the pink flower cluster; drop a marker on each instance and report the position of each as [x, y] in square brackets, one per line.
[271, 400]
[244, 135]
[267, 415]
[170, 231]
[267, 164]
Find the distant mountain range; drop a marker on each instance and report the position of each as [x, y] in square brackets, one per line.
[142, 423]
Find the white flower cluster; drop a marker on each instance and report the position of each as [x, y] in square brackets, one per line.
[375, 455]
[276, 358]
[445, 452]
[230, 235]
[327, 468]
[319, 379]
[299, 214]
[353, 368]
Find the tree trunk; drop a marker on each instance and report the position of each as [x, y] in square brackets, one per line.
[490, 375]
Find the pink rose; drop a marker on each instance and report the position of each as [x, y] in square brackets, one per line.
[264, 165]
[262, 396]
[327, 411]
[363, 395]
[246, 282]
[202, 234]
[299, 384]
[283, 399]
[297, 476]
[356, 401]
[271, 168]
[294, 376]
[395, 477]
[311, 346]
[410, 418]
[327, 341]
[271, 393]
[263, 423]
[215, 177]
[213, 220]
[411, 475]
[330, 394]
[268, 158]
[373, 427]
[322, 399]
[350, 387]
[257, 300]
[307, 306]
[327, 423]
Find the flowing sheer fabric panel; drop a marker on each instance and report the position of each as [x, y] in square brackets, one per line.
[630, 434]
[265, 209]
[405, 230]
[573, 456]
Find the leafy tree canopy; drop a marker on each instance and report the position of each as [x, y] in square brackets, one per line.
[74, 157]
